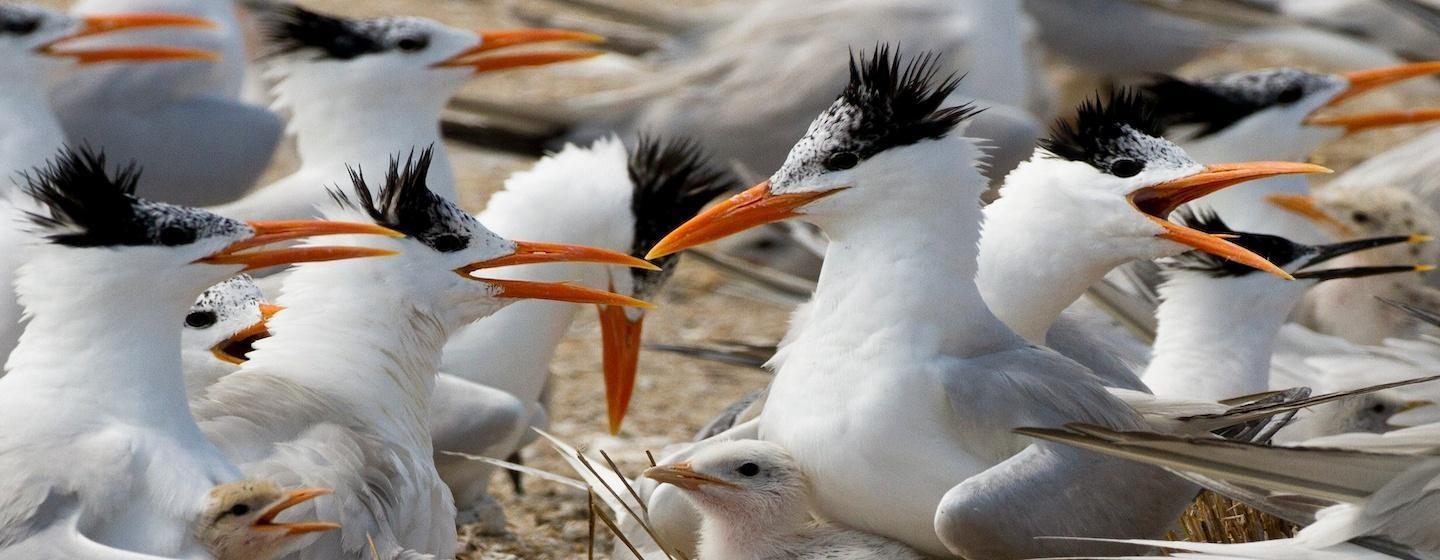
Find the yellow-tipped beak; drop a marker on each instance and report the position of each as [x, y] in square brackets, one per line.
[682, 475]
[268, 233]
[1305, 206]
[620, 338]
[1366, 80]
[296, 497]
[103, 24]
[756, 206]
[478, 58]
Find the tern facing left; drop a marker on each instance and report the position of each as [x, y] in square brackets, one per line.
[97, 428]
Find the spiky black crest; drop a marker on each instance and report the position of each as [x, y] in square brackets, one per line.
[900, 104]
[1273, 248]
[88, 206]
[407, 204]
[1102, 127]
[291, 29]
[673, 181]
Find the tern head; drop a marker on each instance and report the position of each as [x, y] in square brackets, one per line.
[890, 125]
[1300, 260]
[222, 327]
[238, 521]
[1350, 213]
[1106, 182]
[1253, 109]
[33, 40]
[97, 228]
[749, 478]
[443, 247]
[411, 58]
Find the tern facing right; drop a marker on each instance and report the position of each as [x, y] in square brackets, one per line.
[755, 502]
[898, 393]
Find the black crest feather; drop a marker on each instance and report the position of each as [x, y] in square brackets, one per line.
[1181, 102]
[88, 206]
[291, 29]
[407, 205]
[1099, 122]
[900, 103]
[673, 181]
[1273, 248]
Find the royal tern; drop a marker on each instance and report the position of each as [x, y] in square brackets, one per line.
[1218, 319]
[1273, 114]
[97, 430]
[342, 80]
[339, 394]
[238, 522]
[898, 392]
[1106, 182]
[754, 499]
[220, 330]
[170, 118]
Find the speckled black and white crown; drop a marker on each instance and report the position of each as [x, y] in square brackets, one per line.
[223, 300]
[1112, 131]
[86, 206]
[407, 205]
[1275, 249]
[1215, 104]
[292, 30]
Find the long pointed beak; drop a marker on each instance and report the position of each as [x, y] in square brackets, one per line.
[1359, 272]
[531, 252]
[1305, 206]
[1366, 121]
[560, 291]
[682, 475]
[620, 339]
[491, 40]
[1366, 80]
[1218, 246]
[294, 498]
[756, 206]
[268, 233]
[1162, 199]
[103, 24]
[1333, 250]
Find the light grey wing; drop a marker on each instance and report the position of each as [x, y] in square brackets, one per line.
[1074, 338]
[1049, 489]
[471, 418]
[744, 409]
[61, 539]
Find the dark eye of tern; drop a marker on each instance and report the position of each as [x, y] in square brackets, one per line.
[200, 319]
[448, 243]
[748, 469]
[412, 44]
[175, 235]
[1360, 217]
[1378, 408]
[238, 509]
[23, 27]
[1291, 94]
[842, 161]
[1126, 168]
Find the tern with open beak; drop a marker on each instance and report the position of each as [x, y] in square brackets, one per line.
[339, 395]
[342, 80]
[97, 429]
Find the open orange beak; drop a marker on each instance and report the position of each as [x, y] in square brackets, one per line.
[529, 252]
[1363, 81]
[682, 475]
[1367, 80]
[620, 339]
[247, 252]
[756, 206]
[1366, 121]
[296, 497]
[1305, 206]
[478, 57]
[102, 24]
[1158, 201]
[234, 349]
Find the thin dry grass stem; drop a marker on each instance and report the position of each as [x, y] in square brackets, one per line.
[1216, 519]
[374, 554]
[651, 457]
[590, 544]
[626, 482]
[648, 530]
[614, 529]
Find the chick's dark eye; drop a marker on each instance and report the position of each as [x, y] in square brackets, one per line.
[176, 235]
[412, 44]
[1126, 168]
[748, 469]
[238, 509]
[1360, 217]
[842, 161]
[1378, 408]
[448, 243]
[200, 319]
[1291, 94]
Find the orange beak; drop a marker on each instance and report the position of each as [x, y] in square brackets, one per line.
[1366, 80]
[756, 206]
[1158, 201]
[529, 252]
[103, 24]
[268, 233]
[682, 475]
[1366, 121]
[234, 349]
[1305, 206]
[295, 497]
[478, 59]
[620, 337]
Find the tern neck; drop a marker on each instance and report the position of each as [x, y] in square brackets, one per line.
[1216, 335]
[763, 527]
[112, 349]
[910, 259]
[31, 133]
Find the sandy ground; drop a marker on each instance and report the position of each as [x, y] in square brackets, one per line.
[675, 396]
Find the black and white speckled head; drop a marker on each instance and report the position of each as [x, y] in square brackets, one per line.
[1118, 135]
[672, 181]
[1214, 105]
[24, 31]
[212, 344]
[889, 104]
